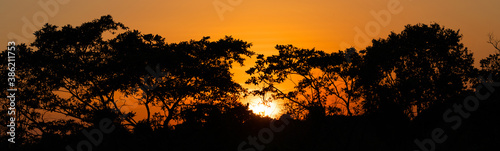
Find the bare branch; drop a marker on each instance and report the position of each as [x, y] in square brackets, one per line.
[494, 42]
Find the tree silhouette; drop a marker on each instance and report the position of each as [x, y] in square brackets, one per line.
[75, 72]
[320, 75]
[394, 92]
[66, 61]
[491, 64]
[410, 71]
[198, 71]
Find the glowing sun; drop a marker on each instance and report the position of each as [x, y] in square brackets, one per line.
[269, 109]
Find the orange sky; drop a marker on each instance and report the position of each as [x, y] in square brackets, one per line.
[323, 24]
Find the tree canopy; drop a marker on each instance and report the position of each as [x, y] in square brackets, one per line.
[410, 71]
[76, 72]
[72, 78]
[319, 76]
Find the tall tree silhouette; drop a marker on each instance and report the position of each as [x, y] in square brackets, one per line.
[320, 75]
[77, 73]
[491, 64]
[198, 71]
[410, 71]
[66, 61]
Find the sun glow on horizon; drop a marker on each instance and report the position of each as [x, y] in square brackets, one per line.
[269, 109]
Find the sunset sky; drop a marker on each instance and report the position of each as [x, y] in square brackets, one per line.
[327, 25]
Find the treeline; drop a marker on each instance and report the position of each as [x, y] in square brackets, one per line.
[396, 94]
